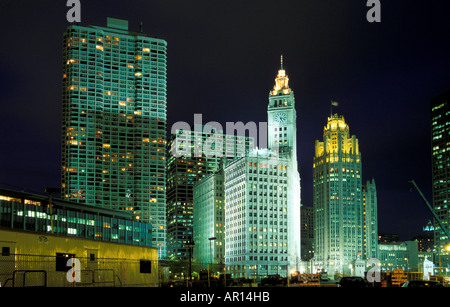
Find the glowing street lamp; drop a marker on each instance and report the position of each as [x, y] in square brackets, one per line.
[447, 248]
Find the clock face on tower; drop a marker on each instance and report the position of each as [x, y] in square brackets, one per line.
[280, 117]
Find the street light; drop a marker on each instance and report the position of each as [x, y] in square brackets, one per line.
[190, 245]
[210, 260]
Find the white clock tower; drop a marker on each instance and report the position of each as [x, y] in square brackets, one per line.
[282, 131]
[254, 209]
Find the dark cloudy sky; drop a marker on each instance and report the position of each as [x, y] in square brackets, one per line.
[223, 57]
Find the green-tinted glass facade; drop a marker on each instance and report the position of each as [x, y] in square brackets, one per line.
[209, 219]
[27, 212]
[184, 171]
[370, 219]
[440, 150]
[114, 122]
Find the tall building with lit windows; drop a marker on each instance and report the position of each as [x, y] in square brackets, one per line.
[340, 230]
[192, 155]
[440, 149]
[262, 196]
[307, 232]
[209, 220]
[370, 215]
[114, 122]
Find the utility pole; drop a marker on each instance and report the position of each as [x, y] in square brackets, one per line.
[190, 245]
[50, 192]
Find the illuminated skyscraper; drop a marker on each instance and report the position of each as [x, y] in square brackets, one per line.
[114, 122]
[339, 204]
[206, 147]
[262, 196]
[440, 143]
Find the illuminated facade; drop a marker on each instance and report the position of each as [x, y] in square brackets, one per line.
[114, 122]
[370, 215]
[187, 169]
[307, 232]
[209, 219]
[262, 197]
[440, 143]
[38, 236]
[342, 233]
[399, 255]
[34, 213]
[426, 239]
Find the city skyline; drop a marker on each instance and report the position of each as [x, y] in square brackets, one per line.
[221, 60]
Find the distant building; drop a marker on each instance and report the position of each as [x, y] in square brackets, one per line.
[426, 239]
[399, 255]
[184, 170]
[440, 150]
[114, 121]
[307, 233]
[209, 219]
[388, 238]
[370, 220]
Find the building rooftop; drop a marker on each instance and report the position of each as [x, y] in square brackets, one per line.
[20, 196]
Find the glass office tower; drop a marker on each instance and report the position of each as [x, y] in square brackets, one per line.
[185, 170]
[440, 143]
[114, 122]
[370, 215]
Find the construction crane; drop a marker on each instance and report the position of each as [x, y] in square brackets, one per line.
[431, 209]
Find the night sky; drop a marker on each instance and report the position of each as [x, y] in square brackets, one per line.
[223, 57]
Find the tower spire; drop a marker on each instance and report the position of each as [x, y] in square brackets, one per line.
[281, 81]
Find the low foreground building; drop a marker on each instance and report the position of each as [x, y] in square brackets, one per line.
[57, 243]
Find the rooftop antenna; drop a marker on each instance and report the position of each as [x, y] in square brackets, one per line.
[281, 61]
[141, 27]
